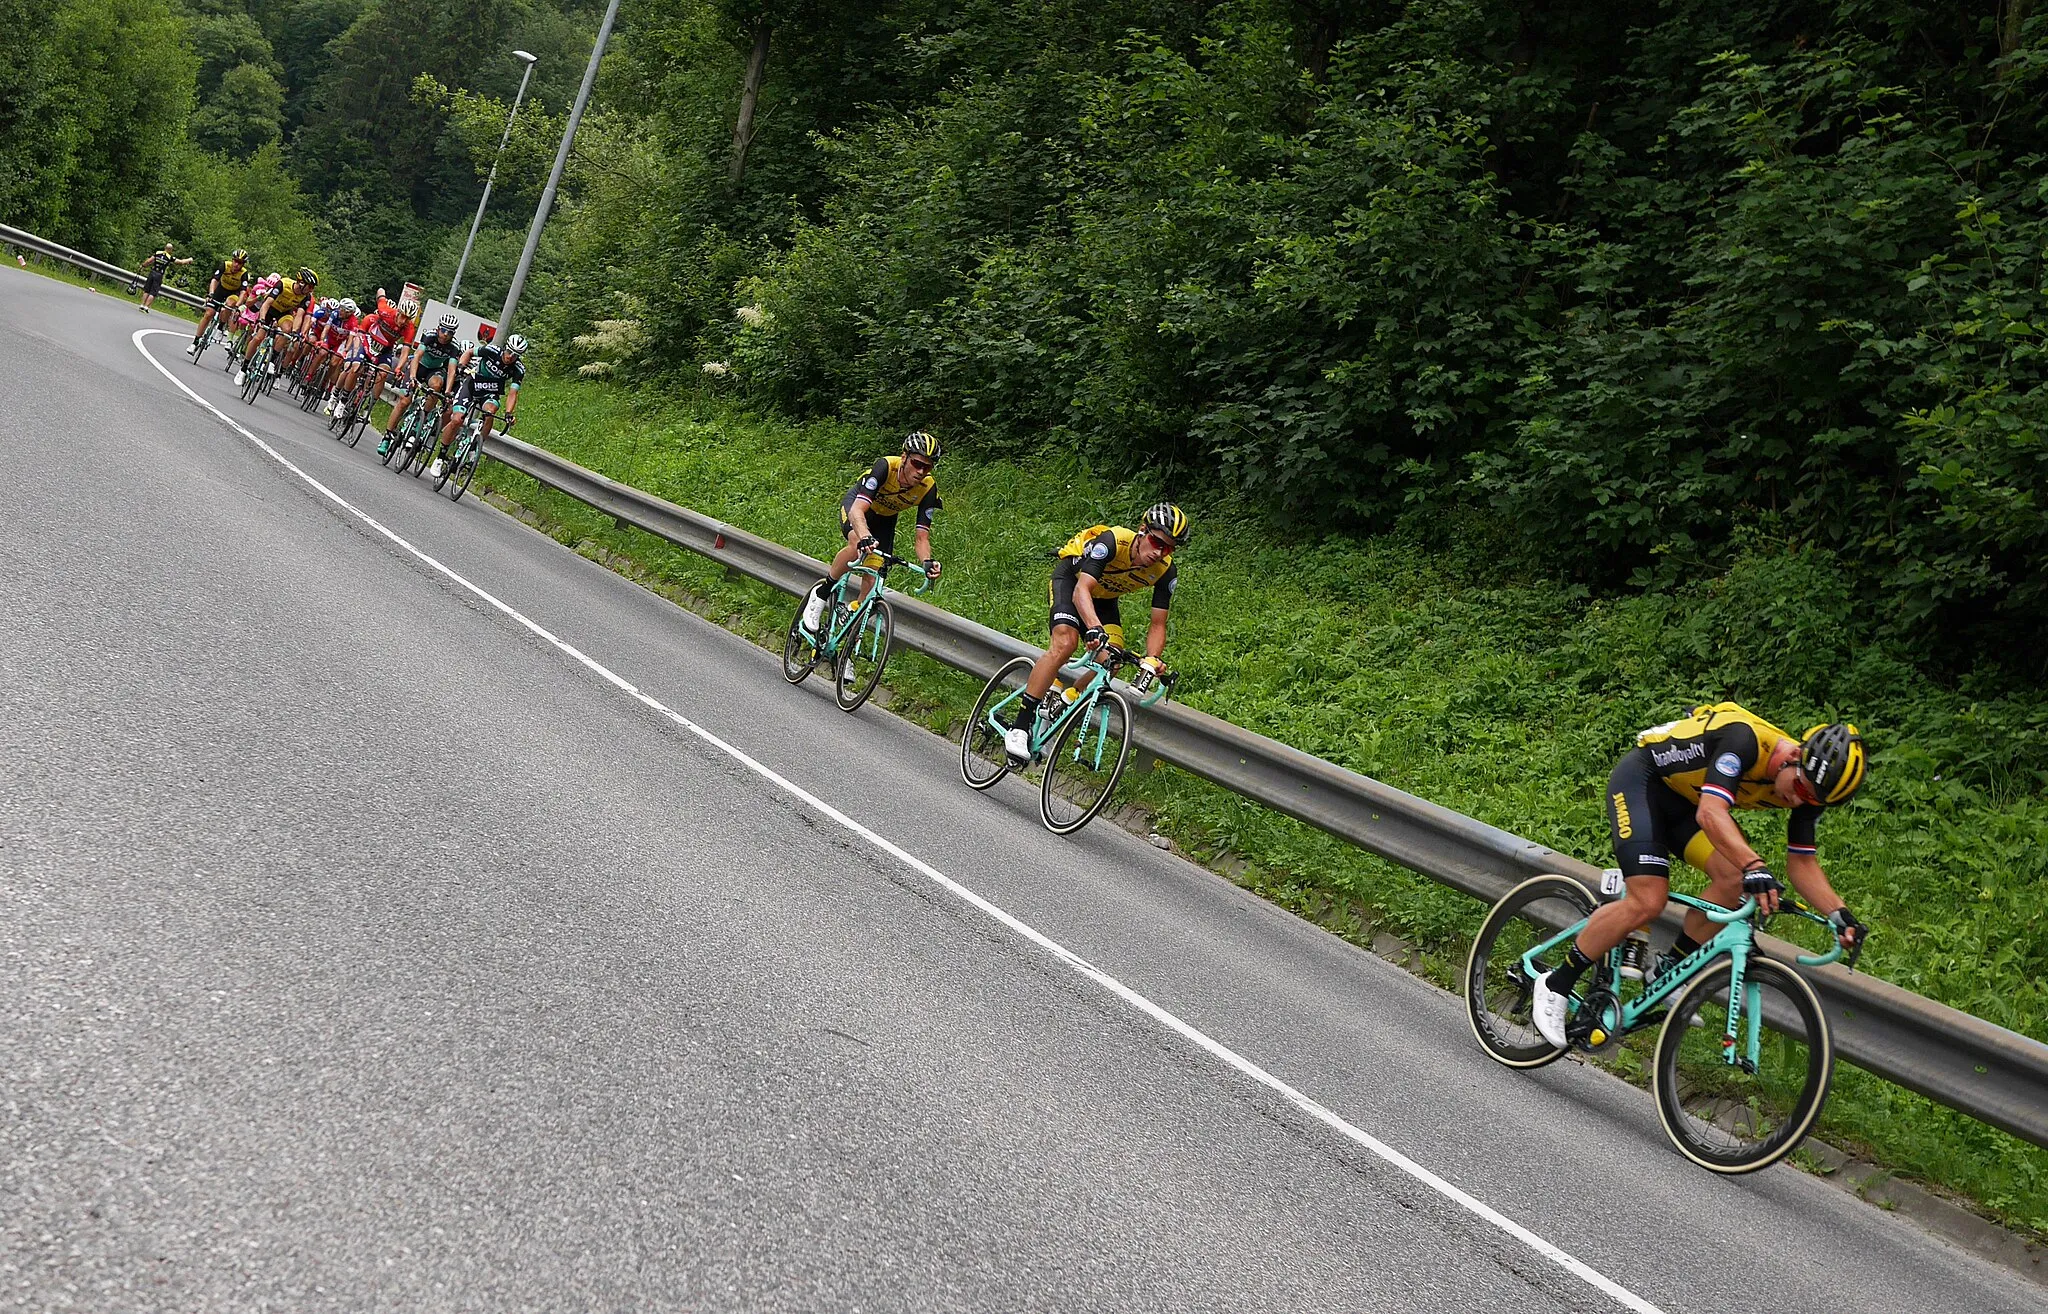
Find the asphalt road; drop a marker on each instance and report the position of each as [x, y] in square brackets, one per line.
[362, 948]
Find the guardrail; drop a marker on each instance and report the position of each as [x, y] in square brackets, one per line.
[92, 265]
[1986, 1071]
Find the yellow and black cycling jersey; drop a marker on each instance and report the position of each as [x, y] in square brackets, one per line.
[1724, 750]
[1104, 554]
[888, 493]
[288, 297]
[231, 276]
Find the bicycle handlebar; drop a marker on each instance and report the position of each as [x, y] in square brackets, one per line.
[1154, 685]
[889, 559]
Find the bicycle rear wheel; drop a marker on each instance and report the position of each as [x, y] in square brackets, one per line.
[1722, 1115]
[982, 760]
[1497, 990]
[252, 377]
[1086, 760]
[799, 650]
[863, 657]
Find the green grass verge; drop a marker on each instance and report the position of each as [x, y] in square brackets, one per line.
[1505, 700]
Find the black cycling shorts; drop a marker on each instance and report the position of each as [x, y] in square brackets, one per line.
[1064, 612]
[1651, 823]
[882, 527]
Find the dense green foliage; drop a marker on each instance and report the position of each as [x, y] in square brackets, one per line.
[1610, 288]
[1508, 702]
[299, 129]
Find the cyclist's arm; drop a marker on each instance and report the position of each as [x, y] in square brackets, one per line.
[1084, 600]
[870, 483]
[511, 401]
[924, 542]
[1155, 634]
[1717, 818]
[927, 506]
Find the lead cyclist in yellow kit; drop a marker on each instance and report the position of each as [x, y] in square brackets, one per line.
[1674, 795]
[1096, 567]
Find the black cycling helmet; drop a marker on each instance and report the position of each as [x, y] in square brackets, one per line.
[1168, 519]
[240, 256]
[920, 443]
[1833, 760]
[307, 278]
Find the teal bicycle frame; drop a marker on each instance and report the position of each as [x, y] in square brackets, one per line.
[1741, 1044]
[1099, 675]
[845, 620]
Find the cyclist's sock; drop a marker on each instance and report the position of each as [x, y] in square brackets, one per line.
[1562, 979]
[1684, 945]
[1027, 711]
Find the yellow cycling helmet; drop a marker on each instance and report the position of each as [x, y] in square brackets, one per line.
[1833, 759]
[920, 443]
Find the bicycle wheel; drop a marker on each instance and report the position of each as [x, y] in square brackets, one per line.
[204, 342]
[799, 652]
[393, 441]
[455, 456]
[1497, 991]
[1724, 1116]
[473, 459]
[982, 760]
[862, 658]
[252, 377]
[359, 419]
[1086, 760]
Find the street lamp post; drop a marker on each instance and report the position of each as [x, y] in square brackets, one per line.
[547, 196]
[485, 200]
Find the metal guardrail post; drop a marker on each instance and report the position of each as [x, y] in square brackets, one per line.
[1971, 1065]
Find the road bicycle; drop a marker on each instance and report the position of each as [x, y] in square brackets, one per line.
[1744, 1057]
[463, 459]
[258, 377]
[1082, 734]
[420, 429]
[856, 631]
[212, 335]
[352, 409]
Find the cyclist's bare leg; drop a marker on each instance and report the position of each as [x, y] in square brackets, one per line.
[1638, 907]
[1064, 640]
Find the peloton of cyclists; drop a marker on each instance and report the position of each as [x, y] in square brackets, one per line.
[283, 309]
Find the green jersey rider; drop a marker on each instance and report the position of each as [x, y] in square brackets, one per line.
[1674, 795]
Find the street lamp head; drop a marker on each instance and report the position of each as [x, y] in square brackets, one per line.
[521, 54]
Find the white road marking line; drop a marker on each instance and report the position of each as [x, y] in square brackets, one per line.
[1230, 1057]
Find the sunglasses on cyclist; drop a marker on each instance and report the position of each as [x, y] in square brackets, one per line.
[1802, 790]
[1161, 543]
[917, 465]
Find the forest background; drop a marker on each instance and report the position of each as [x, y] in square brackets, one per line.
[1708, 334]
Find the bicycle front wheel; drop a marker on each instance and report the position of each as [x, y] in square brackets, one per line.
[1086, 761]
[863, 656]
[470, 461]
[1498, 991]
[448, 466]
[982, 760]
[1732, 1117]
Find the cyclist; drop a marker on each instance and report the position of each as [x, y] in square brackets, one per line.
[495, 375]
[1096, 567]
[283, 309]
[1674, 795]
[868, 512]
[153, 270]
[433, 364]
[230, 276]
[377, 329]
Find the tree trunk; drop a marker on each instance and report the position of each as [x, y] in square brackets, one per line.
[2010, 22]
[750, 96]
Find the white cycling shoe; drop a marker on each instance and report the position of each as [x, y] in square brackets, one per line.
[438, 466]
[1017, 745]
[1549, 1010]
[241, 377]
[814, 612]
